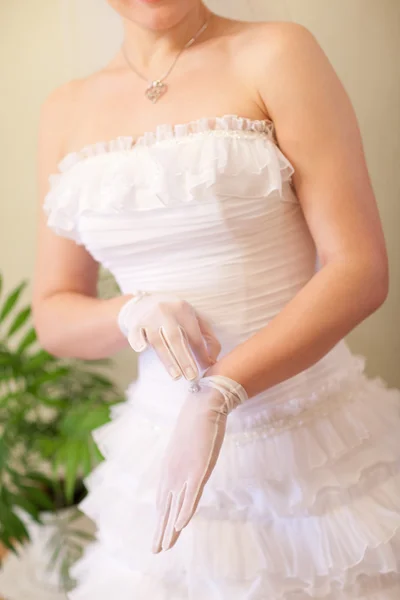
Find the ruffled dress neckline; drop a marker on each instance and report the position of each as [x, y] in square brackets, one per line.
[167, 132]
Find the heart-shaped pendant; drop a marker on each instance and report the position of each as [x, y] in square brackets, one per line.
[155, 90]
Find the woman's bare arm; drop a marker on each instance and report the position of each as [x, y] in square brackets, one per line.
[318, 132]
[69, 319]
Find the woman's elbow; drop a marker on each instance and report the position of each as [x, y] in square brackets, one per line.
[377, 282]
[46, 331]
[48, 340]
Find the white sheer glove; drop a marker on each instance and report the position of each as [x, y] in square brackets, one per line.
[173, 329]
[192, 453]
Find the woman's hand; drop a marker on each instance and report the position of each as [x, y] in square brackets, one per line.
[192, 454]
[173, 329]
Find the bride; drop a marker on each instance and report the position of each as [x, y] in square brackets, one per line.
[207, 167]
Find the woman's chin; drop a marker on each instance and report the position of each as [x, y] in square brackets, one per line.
[151, 1]
[156, 15]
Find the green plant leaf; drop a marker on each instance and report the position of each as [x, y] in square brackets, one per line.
[1, 283]
[37, 496]
[37, 361]
[102, 381]
[67, 582]
[28, 339]
[11, 301]
[4, 452]
[60, 457]
[8, 542]
[19, 321]
[46, 446]
[73, 516]
[82, 535]
[86, 460]
[28, 507]
[72, 470]
[7, 359]
[60, 403]
[95, 453]
[48, 409]
[39, 478]
[14, 526]
[56, 551]
[79, 422]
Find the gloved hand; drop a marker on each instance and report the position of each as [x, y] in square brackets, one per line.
[173, 329]
[192, 453]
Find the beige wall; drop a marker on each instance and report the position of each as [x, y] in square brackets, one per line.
[362, 39]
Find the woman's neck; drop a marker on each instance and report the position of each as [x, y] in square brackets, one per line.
[151, 49]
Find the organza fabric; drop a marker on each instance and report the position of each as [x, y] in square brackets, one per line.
[304, 499]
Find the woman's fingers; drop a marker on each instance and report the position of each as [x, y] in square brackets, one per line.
[194, 489]
[169, 508]
[164, 353]
[174, 338]
[162, 523]
[137, 339]
[178, 346]
[170, 533]
[212, 343]
[198, 342]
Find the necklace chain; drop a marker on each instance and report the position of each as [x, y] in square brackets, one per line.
[156, 87]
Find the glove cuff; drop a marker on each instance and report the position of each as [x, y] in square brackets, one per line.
[234, 394]
[123, 318]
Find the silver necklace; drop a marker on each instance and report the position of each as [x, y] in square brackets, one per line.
[157, 87]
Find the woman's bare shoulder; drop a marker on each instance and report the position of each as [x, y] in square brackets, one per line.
[58, 113]
[67, 98]
[68, 106]
[61, 100]
[268, 40]
[272, 54]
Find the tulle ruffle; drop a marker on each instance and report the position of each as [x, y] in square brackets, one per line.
[128, 175]
[308, 511]
[116, 579]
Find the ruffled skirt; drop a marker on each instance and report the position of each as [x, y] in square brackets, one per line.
[304, 501]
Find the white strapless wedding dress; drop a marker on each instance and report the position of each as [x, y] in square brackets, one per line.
[305, 499]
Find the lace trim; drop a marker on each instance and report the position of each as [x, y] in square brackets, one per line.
[228, 125]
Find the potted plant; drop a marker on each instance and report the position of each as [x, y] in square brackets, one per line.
[48, 409]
